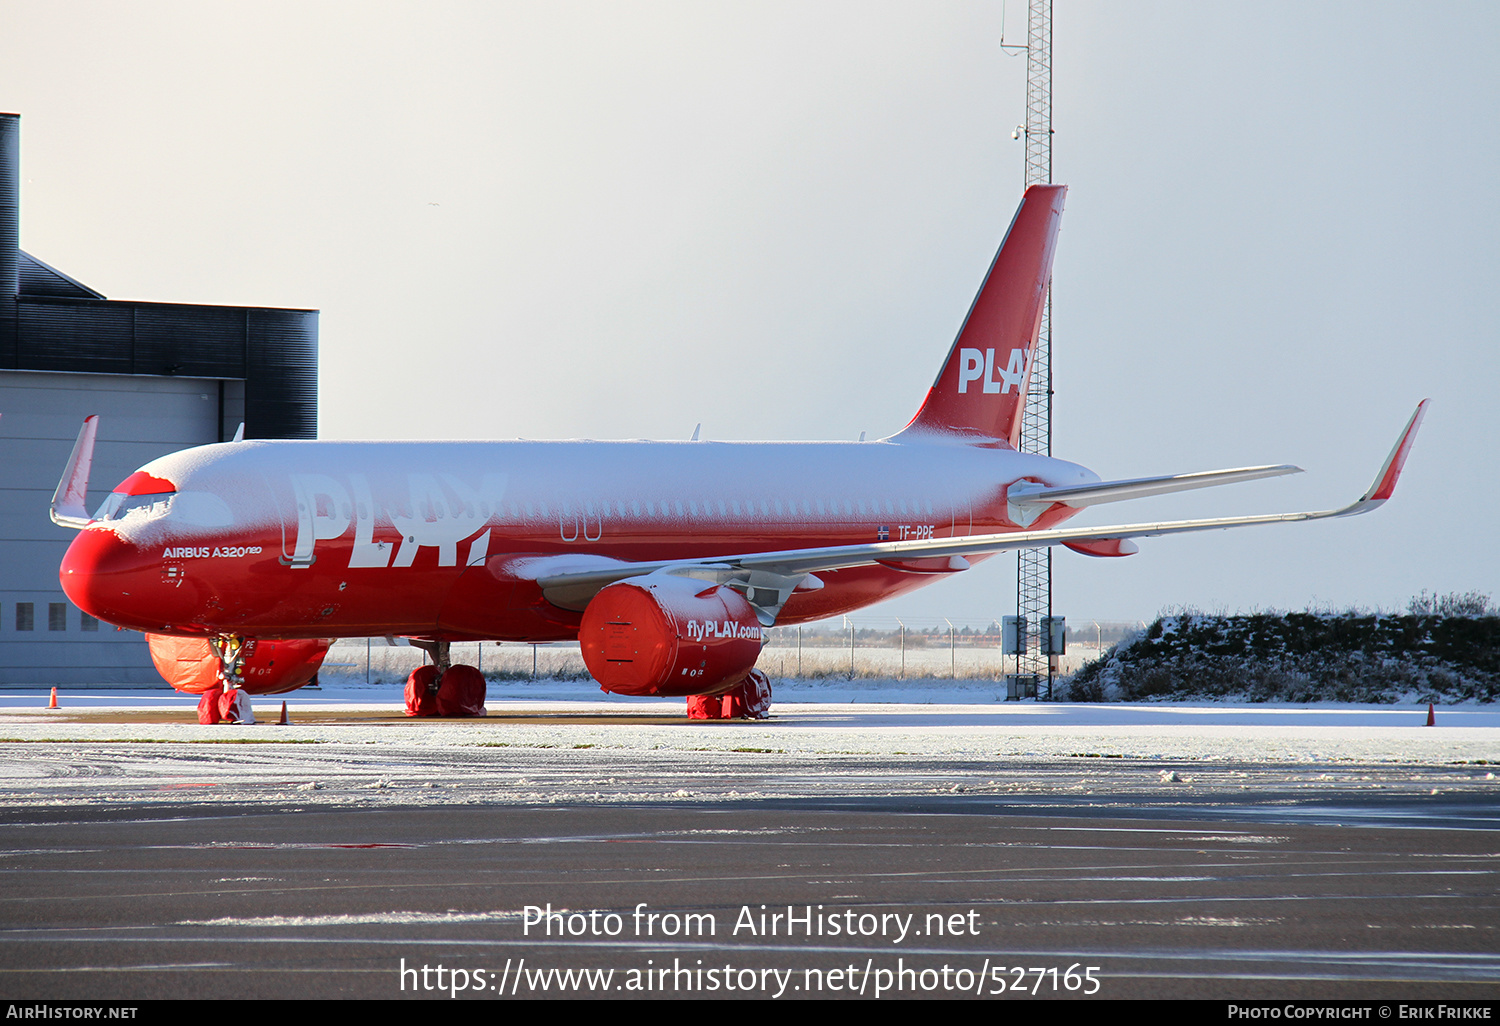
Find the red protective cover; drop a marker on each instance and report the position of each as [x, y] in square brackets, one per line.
[749, 700]
[208, 706]
[461, 692]
[268, 668]
[757, 696]
[732, 704]
[704, 707]
[666, 635]
[421, 696]
[231, 706]
[188, 664]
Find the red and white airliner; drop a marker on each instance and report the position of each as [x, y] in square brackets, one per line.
[665, 559]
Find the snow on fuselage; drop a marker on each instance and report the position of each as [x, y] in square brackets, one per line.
[349, 539]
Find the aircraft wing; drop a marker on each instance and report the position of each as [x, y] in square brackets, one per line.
[1079, 496]
[769, 578]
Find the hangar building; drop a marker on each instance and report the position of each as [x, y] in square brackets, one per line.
[161, 376]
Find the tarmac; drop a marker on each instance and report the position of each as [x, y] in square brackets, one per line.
[1032, 851]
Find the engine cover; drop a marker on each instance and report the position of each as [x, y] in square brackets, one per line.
[268, 667]
[671, 636]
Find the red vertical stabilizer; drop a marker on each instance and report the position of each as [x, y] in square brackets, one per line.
[981, 391]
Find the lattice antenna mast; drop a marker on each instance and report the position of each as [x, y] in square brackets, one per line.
[1034, 566]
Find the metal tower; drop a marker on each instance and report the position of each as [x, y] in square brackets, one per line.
[1034, 566]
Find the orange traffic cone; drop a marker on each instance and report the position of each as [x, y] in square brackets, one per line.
[53, 704]
[283, 722]
[1431, 715]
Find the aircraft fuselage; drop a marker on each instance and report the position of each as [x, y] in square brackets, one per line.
[433, 539]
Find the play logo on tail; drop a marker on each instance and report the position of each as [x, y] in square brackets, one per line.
[981, 391]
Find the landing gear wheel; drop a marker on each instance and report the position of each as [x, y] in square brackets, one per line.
[461, 692]
[748, 700]
[442, 688]
[757, 688]
[421, 691]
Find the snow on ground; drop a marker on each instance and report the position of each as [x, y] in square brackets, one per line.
[350, 746]
[948, 719]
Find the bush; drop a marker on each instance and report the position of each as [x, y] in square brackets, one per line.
[1305, 657]
[1469, 603]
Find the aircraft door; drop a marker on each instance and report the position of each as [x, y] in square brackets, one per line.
[580, 520]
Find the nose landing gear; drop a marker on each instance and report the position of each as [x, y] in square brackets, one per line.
[227, 702]
[230, 650]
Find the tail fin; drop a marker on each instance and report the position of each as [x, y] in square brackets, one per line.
[981, 391]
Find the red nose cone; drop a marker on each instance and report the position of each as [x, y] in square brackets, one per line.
[110, 578]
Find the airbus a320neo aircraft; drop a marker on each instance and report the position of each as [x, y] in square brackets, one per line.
[665, 559]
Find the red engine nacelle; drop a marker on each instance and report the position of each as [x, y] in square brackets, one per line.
[268, 667]
[670, 636]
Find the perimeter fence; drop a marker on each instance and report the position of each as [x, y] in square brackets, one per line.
[847, 648]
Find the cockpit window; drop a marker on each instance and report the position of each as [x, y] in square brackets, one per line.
[119, 505]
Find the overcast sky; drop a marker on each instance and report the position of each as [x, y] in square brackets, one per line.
[620, 219]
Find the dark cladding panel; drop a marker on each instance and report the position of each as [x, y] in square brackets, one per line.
[87, 335]
[190, 341]
[10, 204]
[281, 382]
[40, 279]
[10, 233]
[275, 352]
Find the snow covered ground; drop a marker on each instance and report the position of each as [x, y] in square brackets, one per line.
[926, 719]
[1082, 790]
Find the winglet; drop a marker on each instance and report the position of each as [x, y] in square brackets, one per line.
[1385, 481]
[69, 507]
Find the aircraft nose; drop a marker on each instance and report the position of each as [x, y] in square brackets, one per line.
[112, 578]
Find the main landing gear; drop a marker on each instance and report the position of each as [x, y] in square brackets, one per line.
[441, 688]
[748, 700]
[227, 702]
